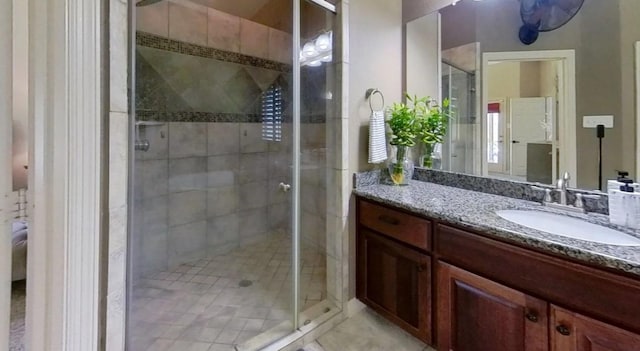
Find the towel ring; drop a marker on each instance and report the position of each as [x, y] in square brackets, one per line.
[369, 96]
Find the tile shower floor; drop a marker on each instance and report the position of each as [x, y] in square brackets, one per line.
[215, 303]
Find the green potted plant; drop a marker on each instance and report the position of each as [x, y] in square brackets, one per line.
[431, 125]
[402, 123]
[419, 119]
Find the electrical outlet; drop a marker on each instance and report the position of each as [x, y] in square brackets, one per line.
[593, 121]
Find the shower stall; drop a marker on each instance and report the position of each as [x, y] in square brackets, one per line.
[233, 112]
[460, 145]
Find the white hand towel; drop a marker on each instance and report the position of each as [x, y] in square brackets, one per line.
[18, 225]
[377, 138]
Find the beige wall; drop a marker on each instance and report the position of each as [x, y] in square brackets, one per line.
[504, 80]
[629, 15]
[20, 94]
[422, 49]
[5, 162]
[521, 79]
[530, 79]
[374, 61]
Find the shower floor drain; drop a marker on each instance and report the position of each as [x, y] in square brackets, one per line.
[244, 283]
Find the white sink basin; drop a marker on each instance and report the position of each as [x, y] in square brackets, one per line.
[569, 227]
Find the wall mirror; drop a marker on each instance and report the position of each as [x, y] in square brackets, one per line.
[518, 110]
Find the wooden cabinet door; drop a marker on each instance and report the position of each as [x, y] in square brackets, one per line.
[476, 314]
[573, 332]
[395, 280]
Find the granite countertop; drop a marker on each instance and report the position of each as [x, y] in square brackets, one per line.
[476, 210]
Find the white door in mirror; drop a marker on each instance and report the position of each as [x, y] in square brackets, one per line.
[569, 227]
[528, 125]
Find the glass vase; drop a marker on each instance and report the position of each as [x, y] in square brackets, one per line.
[426, 159]
[431, 156]
[401, 166]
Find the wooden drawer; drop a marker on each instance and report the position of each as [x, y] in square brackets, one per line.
[409, 229]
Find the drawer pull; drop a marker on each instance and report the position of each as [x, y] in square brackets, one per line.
[388, 220]
[532, 316]
[562, 329]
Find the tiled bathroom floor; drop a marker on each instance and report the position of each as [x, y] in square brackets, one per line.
[366, 331]
[216, 303]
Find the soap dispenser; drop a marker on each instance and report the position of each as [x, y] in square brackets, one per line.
[624, 203]
[615, 184]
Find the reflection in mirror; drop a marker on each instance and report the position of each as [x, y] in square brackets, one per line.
[601, 36]
[528, 96]
[458, 85]
[525, 150]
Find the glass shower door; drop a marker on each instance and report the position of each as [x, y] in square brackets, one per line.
[318, 79]
[211, 240]
[227, 242]
[459, 87]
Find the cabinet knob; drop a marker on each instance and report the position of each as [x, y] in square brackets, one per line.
[532, 316]
[422, 267]
[563, 329]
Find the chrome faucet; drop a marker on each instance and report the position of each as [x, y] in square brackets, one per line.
[561, 186]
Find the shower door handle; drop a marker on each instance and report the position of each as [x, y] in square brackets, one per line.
[142, 145]
[284, 187]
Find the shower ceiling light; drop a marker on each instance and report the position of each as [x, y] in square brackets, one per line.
[323, 43]
[318, 50]
[309, 49]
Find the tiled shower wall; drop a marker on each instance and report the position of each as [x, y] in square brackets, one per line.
[197, 198]
[209, 182]
[204, 188]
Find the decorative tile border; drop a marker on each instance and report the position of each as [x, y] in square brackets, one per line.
[217, 117]
[162, 43]
[191, 116]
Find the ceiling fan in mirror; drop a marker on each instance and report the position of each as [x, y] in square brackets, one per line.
[544, 16]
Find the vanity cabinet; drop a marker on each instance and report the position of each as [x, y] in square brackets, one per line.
[488, 293]
[475, 313]
[523, 284]
[393, 270]
[573, 332]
